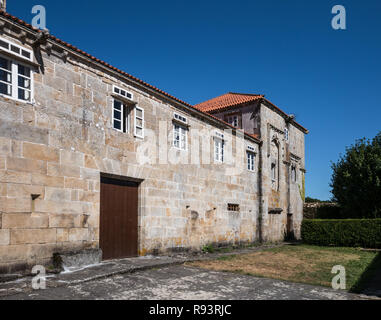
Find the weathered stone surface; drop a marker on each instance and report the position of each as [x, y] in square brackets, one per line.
[26, 165]
[78, 234]
[18, 190]
[40, 152]
[62, 220]
[48, 181]
[15, 204]
[74, 183]
[63, 170]
[33, 236]
[4, 237]
[62, 235]
[23, 132]
[25, 220]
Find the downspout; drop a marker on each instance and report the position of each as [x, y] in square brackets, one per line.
[260, 177]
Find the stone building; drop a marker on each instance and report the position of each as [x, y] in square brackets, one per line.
[94, 158]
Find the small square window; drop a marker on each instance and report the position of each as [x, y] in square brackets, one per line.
[233, 207]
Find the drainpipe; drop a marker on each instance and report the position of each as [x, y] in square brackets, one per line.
[260, 176]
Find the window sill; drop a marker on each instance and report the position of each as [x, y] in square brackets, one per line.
[31, 103]
[179, 149]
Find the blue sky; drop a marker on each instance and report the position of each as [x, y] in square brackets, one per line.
[286, 50]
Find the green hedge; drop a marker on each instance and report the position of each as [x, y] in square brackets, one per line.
[365, 233]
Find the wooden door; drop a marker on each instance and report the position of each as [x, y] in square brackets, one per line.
[118, 219]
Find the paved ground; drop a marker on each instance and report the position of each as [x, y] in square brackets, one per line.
[184, 283]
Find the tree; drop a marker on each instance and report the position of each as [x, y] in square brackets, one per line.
[356, 179]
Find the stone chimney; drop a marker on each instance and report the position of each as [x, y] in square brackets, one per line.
[3, 5]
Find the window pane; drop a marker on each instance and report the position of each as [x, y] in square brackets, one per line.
[5, 64]
[139, 123]
[24, 82]
[26, 54]
[5, 88]
[24, 94]
[117, 105]
[15, 49]
[139, 113]
[139, 132]
[117, 115]
[117, 125]
[5, 76]
[4, 44]
[24, 71]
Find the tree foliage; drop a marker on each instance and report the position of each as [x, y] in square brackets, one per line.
[356, 179]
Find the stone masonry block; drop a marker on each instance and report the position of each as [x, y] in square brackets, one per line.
[62, 220]
[23, 132]
[31, 236]
[15, 204]
[40, 152]
[15, 177]
[19, 190]
[26, 165]
[63, 170]
[25, 220]
[4, 237]
[78, 234]
[72, 158]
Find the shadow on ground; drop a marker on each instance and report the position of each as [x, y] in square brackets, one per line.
[370, 281]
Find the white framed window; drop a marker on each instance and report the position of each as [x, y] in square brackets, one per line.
[219, 146]
[15, 49]
[119, 116]
[123, 93]
[15, 80]
[286, 134]
[180, 137]
[139, 122]
[250, 161]
[180, 118]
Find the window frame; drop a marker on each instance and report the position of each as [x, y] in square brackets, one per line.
[183, 131]
[251, 162]
[178, 117]
[13, 53]
[123, 118]
[235, 117]
[221, 141]
[286, 135]
[114, 87]
[14, 65]
[135, 122]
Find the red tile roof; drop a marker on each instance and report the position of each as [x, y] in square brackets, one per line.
[69, 46]
[232, 100]
[227, 100]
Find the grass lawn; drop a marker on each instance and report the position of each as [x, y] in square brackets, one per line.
[299, 263]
